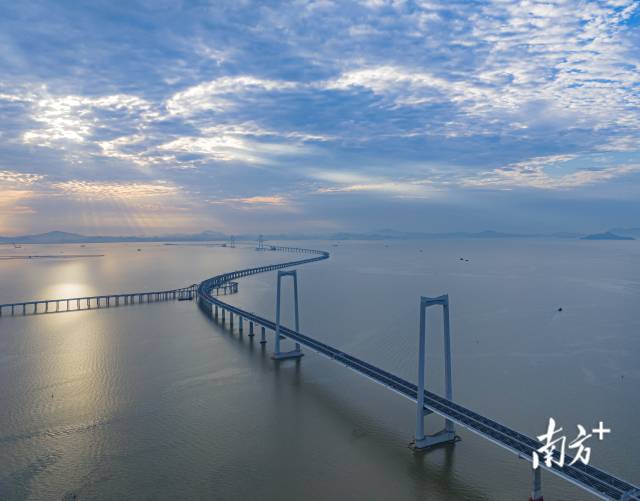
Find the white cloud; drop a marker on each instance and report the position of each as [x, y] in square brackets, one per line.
[255, 130]
[350, 182]
[72, 118]
[130, 191]
[220, 94]
[621, 143]
[11, 177]
[17, 190]
[231, 147]
[577, 66]
[255, 201]
[538, 173]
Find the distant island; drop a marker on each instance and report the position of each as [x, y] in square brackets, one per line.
[606, 236]
[628, 232]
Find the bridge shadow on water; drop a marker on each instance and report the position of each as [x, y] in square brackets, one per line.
[431, 472]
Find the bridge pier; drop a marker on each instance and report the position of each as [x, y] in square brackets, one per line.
[231, 320]
[446, 435]
[240, 324]
[251, 334]
[263, 339]
[223, 320]
[215, 315]
[296, 353]
[536, 492]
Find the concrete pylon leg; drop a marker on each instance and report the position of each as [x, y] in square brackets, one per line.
[536, 492]
[297, 312]
[423, 441]
[296, 353]
[447, 360]
[263, 339]
[240, 325]
[251, 329]
[277, 343]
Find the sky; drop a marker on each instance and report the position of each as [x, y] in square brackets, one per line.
[154, 117]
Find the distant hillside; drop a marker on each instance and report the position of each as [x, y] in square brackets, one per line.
[627, 232]
[52, 237]
[388, 234]
[62, 237]
[606, 236]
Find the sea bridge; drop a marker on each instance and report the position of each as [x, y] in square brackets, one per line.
[589, 478]
[35, 307]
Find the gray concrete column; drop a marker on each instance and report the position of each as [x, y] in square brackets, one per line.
[536, 492]
[447, 434]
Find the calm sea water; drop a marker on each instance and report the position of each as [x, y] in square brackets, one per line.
[158, 402]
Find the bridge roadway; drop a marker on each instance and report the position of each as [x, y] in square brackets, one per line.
[106, 301]
[587, 477]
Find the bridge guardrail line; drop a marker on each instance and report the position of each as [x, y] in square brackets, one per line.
[587, 477]
[84, 303]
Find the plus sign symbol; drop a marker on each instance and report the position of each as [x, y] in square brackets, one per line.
[600, 431]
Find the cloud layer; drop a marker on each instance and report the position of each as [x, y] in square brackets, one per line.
[241, 116]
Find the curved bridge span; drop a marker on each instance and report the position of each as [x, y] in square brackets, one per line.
[589, 478]
[207, 293]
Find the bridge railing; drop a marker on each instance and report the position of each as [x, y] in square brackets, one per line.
[589, 478]
[92, 302]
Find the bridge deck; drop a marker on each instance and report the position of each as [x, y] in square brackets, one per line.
[105, 300]
[594, 480]
[589, 478]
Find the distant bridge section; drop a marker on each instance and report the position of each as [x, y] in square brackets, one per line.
[587, 477]
[41, 306]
